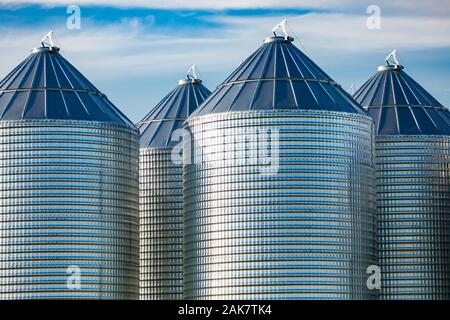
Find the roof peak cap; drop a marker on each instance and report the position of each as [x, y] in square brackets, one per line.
[189, 81]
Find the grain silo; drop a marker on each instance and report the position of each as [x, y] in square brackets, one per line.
[161, 192]
[279, 188]
[413, 181]
[68, 188]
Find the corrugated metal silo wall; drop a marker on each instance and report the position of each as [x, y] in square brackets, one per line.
[161, 226]
[68, 207]
[414, 216]
[308, 231]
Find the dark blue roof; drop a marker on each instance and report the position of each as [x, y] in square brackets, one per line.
[400, 106]
[47, 86]
[157, 127]
[278, 76]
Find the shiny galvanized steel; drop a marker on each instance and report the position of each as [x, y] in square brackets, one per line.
[279, 192]
[294, 221]
[69, 201]
[413, 179]
[413, 213]
[161, 226]
[68, 186]
[161, 193]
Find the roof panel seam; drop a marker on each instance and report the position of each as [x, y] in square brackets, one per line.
[289, 75]
[59, 84]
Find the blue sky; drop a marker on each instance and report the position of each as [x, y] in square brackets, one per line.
[135, 51]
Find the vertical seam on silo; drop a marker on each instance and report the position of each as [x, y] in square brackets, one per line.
[59, 86]
[307, 82]
[289, 76]
[394, 98]
[78, 97]
[259, 82]
[45, 87]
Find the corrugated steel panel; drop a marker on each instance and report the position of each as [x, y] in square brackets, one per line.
[307, 231]
[161, 193]
[161, 226]
[69, 198]
[306, 228]
[413, 170]
[68, 186]
[413, 213]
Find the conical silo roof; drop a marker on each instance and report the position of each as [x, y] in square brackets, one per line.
[400, 106]
[46, 86]
[169, 114]
[278, 76]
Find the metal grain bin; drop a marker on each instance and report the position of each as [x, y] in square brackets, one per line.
[68, 186]
[279, 185]
[161, 193]
[413, 178]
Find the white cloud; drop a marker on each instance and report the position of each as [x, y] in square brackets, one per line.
[193, 4]
[438, 7]
[349, 32]
[126, 46]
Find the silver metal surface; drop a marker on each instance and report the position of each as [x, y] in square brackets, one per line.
[161, 192]
[307, 231]
[68, 200]
[45, 49]
[390, 67]
[414, 216]
[161, 226]
[413, 180]
[278, 39]
[189, 81]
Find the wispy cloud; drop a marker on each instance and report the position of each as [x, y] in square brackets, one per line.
[390, 6]
[350, 33]
[193, 4]
[128, 46]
